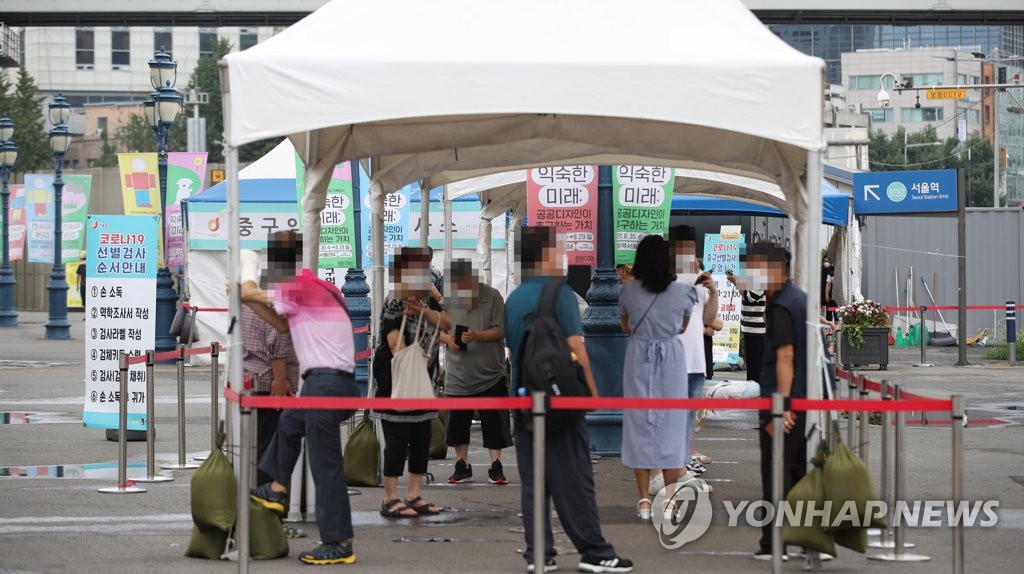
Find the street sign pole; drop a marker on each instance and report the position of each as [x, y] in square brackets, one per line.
[961, 269]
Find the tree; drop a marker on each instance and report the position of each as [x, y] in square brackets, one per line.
[136, 135]
[20, 103]
[206, 78]
[108, 155]
[894, 153]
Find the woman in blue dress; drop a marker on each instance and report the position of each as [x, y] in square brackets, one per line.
[653, 310]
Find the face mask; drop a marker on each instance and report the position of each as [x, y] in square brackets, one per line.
[416, 282]
[686, 262]
[758, 280]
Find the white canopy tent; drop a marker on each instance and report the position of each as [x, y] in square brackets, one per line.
[498, 87]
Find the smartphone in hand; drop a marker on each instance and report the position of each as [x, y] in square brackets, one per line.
[459, 330]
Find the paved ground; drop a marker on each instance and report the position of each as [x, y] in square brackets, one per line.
[63, 524]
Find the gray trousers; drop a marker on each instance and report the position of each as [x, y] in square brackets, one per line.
[322, 431]
[570, 484]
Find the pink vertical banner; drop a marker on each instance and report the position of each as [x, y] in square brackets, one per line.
[175, 235]
[566, 198]
[186, 175]
[16, 229]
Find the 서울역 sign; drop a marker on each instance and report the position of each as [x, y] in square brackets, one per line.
[946, 94]
[886, 192]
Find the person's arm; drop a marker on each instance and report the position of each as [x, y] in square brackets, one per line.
[785, 354]
[280, 386]
[736, 281]
[580, 350]
[434, 316]
[257, 300]
[485, 336]
[711, 306]
[624, 324]
[496, 330]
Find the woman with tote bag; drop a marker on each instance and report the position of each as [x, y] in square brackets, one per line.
[405, 361]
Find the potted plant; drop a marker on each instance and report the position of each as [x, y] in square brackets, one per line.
[864, 334]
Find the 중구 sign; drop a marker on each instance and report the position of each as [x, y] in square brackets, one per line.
[926, 191]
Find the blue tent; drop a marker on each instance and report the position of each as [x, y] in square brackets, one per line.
[252, 191]
[835, 211]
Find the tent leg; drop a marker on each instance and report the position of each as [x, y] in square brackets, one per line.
[377, 247]
[810, 258]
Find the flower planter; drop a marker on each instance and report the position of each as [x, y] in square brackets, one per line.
[873, 351]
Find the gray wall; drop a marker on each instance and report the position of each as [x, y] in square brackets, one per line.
[994, 261]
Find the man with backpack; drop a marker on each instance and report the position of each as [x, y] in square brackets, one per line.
[569, 479]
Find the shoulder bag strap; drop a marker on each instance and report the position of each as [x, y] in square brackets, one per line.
[549, 298]
[644, 316]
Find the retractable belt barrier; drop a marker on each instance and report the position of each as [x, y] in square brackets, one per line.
[898, 402]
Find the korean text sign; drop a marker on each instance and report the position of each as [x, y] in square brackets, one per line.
[566, 198]
[121, 258]
[643, 204]
[924, 191]
[337, 220]
[721, 255]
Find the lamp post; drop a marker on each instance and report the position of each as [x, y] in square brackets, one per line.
[57, 325]
[355, 288]
[161, 111]
[8, 155]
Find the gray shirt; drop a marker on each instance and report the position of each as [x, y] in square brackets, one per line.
[482, 364]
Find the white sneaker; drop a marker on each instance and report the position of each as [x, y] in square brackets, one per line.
[549, 566]
[657, 484]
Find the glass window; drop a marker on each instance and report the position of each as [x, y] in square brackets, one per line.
[880, 114]
[207, 42]
[920, 80]
[864, 83]
[921, 114]
[163, 40]
[85, 49]
[247, 38]
[120, 49]
[101, 123]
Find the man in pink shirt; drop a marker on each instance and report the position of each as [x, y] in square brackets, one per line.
[315, 314]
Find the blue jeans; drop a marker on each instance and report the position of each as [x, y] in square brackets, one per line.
[696, 384]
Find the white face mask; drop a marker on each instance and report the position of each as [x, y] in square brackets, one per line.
[686, 263]
[416, 282]
[758, 279]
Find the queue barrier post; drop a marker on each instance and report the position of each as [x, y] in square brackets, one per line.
[124, 486]
[851, 416]
[179, 362]
[538, 412]
[778, 432]
[862, 447]
[899, 553]
[242, 522]
[923, 331]
[884, 485]
[214, 394]
[151, 475]
[958, 419]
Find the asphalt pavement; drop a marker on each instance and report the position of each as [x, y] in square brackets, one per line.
[53, 520]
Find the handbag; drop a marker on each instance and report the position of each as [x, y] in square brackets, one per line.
[409, 376]
[362, 454]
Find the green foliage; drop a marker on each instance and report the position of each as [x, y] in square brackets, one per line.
[1001, 352]
[136, 135]
[108, 155]
[206, 78]
[860, 315]
[20, 102]
[888, 153]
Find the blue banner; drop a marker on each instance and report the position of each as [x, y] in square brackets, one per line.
[897, 192]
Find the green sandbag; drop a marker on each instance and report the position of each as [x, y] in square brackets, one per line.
[847, 479]
[266, 536]
[362, 454]
[438, 446]
[214, 489]
[810, 490]
[855, 539]
[209, 543]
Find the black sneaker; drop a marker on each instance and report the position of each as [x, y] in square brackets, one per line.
[496, 474]
[549, 566]
[593, 564]
[327, 554]
[463, 473]
[267, 498]
[696, 467]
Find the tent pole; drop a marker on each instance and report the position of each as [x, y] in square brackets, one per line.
[483, 249]
[377, 246]
[810, 249]
[447, 228]
[235, 375]
[424, 214]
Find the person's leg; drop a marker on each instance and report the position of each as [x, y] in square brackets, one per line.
[754, 345]
[765, 442]
[695, 381]
[284, 449]
[643, 484]
[709, 357]
[266, 425]
[524, 457]
[396, 445]
[570, 477]
[419, 458]
[323, 437]
[457, 433]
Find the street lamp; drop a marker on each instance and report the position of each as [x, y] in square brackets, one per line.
[57, 325]
[161, 110]
[8, 155]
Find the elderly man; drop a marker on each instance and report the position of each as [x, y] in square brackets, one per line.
[475, 367]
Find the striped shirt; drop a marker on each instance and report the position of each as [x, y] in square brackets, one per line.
[752, 310]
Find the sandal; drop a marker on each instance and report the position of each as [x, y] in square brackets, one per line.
[643, 513]
[425, 509]
[703, 458]
[393, 509]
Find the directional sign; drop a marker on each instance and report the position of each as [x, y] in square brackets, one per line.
[957, 94]
[886, 192]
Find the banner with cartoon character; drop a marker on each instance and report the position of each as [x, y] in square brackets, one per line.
[16, 228]
[186, 175]
[39, 196]
[140, 189]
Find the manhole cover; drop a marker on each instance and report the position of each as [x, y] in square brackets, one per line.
[8, 364]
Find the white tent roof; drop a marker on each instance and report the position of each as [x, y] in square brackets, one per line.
[496, 86]
[278, 163]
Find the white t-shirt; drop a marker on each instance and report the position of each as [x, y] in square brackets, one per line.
[693, 336]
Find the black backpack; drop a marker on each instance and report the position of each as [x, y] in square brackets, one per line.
[546, 363]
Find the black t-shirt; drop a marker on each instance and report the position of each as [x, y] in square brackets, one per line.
[81, 274]
[779, 327]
